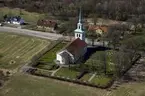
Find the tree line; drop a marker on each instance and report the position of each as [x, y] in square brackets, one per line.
[112, 9]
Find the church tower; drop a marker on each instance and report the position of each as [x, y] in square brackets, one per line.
[79, 32]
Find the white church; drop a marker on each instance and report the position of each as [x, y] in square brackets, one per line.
[71, 53]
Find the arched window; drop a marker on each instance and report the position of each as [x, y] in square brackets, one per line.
[77, 35]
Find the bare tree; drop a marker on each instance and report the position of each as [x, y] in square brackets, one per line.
[114, 36]
[93, 36]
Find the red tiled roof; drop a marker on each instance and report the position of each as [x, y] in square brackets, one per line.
[96, 27]
[75, 46]
[46, 23]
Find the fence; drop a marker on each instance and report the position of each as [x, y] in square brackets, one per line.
[76, 81]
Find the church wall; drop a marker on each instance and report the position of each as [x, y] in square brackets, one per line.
[59, 58]
[82, 51]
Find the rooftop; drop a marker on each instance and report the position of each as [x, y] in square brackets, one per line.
[96, 27]
[46, 23]
[75, 46]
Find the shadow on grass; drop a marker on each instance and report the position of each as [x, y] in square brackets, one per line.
[93, 49]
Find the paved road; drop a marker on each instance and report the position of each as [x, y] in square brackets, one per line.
[44, 35]
[51, 36]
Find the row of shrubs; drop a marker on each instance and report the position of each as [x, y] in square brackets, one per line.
[77, 81]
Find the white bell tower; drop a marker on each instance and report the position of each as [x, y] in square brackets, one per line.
[79, 32]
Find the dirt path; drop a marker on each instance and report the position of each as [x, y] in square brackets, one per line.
[53, 73]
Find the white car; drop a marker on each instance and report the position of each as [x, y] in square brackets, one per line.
[1, 24]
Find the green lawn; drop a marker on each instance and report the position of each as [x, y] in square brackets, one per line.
[27, 85]
[101, 80]
[16, 50]
[45, 66]
[44, 72]
[100, 58]
[66, 72]
[50, 56]
[87, 76]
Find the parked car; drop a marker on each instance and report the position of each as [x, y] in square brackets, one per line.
[1, 24]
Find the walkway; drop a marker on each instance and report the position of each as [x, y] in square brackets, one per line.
[53, 73]
[92, 77]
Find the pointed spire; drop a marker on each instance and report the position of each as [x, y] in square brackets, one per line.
[80, 15]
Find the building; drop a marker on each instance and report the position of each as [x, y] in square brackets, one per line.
[48, 25]
[71, 53]
[14, 20]
[99, 29]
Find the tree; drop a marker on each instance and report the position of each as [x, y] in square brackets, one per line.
[114, 36]
[133, 45]
[92, 35]
[142, 19]
[135, 22]
[121, 62]
[68, 27]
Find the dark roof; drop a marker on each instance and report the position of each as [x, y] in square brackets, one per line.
[46, 23]
[75, 46]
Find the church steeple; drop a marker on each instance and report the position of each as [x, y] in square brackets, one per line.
[80, 14]
[79, 25]
[79, 32]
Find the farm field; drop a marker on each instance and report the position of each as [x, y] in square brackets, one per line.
[16, 50]
[37, 86]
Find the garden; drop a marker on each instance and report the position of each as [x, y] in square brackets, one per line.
[90, 72]
[99, 70]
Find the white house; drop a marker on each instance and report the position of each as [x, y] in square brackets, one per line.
[74, 50]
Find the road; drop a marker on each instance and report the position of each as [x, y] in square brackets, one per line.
[51, 36]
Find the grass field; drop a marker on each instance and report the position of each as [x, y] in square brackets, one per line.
[16, 50]
[28, 16]
[26, 85]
